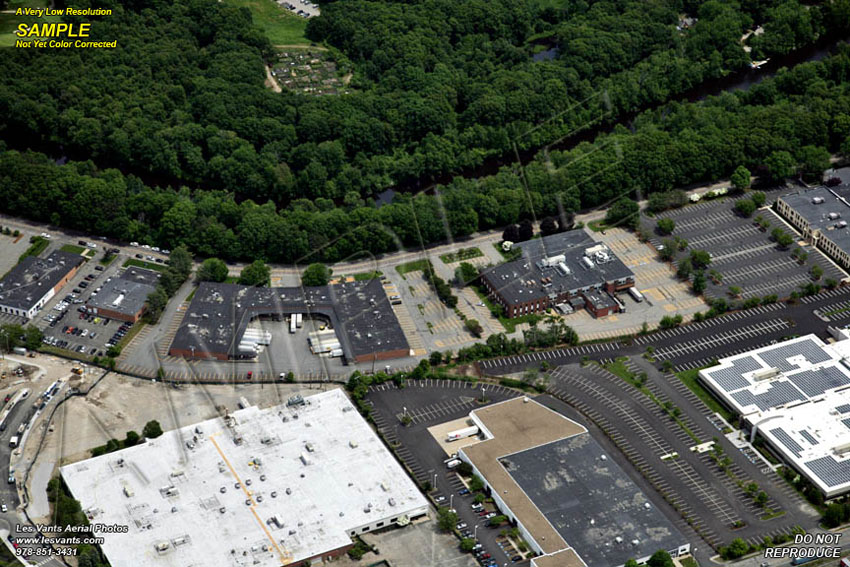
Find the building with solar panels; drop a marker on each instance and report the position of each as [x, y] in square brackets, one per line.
[796, 395]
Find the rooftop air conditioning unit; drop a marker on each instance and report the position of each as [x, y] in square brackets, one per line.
[817, 200]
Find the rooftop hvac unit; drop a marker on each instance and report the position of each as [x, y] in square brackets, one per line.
[562, 269]
[553, 260]
[594, 249]
[817, 200]
[834, 216]
[765, 374]
[587, 261]
[841, 224]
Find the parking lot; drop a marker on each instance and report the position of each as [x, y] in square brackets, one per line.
[709, 497]
[742, 252]
[429, 402]
[65, 323]
[302, 8]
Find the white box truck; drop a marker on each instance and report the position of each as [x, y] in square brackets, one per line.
[298, 320]
[13, 442]
[461, 433]
[292, 324]
[636, 295]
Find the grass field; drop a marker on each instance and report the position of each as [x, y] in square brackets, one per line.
[72, 248]
[462, 254]
[146, 265]
[37, 247]
[281, 27]
[368, 276]
[414, 266]
[9, 22]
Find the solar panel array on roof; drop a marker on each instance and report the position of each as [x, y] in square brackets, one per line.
[816, 382]
[786, 440]
[808, 437]
[778, 394]
[778, 356]
[845, 408]
[830, 471]
[732, 378]
[846, 422]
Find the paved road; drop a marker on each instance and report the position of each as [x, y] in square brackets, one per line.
[10, 520]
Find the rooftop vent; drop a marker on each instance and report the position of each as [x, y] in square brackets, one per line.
[817, 200]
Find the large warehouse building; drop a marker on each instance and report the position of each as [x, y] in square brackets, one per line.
[570, 501]
[796, 395]
[568, 270]
[31, 284]
[359, 312]
[260, 488]
[821, 215]
[123, 297]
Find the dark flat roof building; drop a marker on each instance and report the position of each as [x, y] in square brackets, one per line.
[556, 269]
[359, 312]
[30, 284]
[570, 501]
[123, 298]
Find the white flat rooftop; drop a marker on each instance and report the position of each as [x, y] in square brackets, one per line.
[280, 485]
[797, 394]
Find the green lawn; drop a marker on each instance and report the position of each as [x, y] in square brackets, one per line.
[513, 254]
[597, 225]
[368, 276]
[72, 248]
[9, 22]
[37, 247]
[415, 266]
[460, 255]
[106, 260]
[280, 26]
[143, 264]
[691, 380]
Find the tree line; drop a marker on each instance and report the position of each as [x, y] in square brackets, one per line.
[769, 129]
[183, 102]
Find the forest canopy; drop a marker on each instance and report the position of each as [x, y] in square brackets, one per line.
[439, 85]
[800, 112]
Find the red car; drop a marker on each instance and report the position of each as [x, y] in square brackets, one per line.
[250, 375]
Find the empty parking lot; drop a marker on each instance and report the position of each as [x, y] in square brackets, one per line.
[743, 253]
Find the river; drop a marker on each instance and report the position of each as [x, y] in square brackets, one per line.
[740, 80]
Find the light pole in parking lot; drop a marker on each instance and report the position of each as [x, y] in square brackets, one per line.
[451, 501]
[475, 532]
[435, 480]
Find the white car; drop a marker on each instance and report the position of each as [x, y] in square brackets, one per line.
[4, 508]
[155, 249]
[45, 235]
[134, 244]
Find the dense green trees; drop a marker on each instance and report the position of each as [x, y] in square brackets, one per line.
[763, 129]
[256, 274]
[212, 270]
[439, 85]
[666, 226]
[316, 275]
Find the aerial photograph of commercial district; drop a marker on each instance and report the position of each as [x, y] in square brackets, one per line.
[424, 283]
